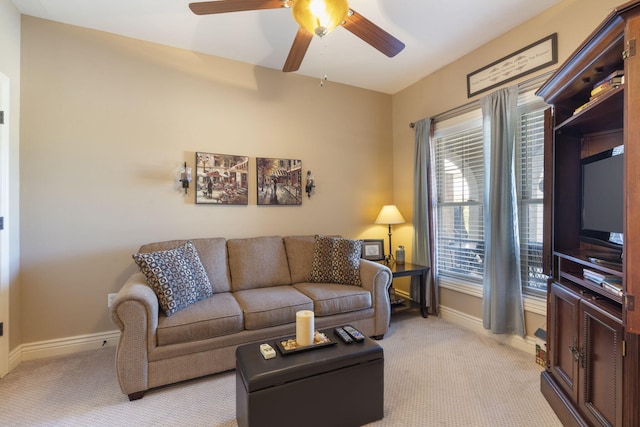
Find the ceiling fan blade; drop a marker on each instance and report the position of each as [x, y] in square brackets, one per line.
[298, 49]
[224, 6]
[372, 34]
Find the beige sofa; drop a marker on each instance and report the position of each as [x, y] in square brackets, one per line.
[258, 286]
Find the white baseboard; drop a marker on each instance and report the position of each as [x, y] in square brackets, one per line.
[527, 344]
[15, 358]
[70, 345]
[63, 346]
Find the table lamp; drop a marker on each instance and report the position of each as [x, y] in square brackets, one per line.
[389, 215]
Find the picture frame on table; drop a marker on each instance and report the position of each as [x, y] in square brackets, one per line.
[373, 249]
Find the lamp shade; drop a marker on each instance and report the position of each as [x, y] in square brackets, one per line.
[389, 214]
[320, 16]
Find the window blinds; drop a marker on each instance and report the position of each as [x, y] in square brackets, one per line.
[530, 195]
[459, 167]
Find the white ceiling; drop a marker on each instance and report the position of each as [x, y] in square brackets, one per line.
[435, 32]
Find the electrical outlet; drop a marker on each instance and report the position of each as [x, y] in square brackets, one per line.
[110, 299]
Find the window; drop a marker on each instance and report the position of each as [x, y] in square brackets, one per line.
[530, 175]
[459, 169]
[459, 175]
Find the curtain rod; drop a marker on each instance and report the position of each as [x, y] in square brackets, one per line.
[524, 86]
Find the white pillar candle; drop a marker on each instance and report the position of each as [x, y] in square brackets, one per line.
[305, 328]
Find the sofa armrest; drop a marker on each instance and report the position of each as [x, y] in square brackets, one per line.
[135, 312]
[376, 278]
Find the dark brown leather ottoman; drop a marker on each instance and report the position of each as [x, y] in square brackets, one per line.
[338, 385]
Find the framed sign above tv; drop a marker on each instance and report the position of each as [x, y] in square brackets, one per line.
[527, 60]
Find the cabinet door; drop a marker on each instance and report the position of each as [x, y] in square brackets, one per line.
[632, 179]
[563, 338]
[547, 192]
[600, 395]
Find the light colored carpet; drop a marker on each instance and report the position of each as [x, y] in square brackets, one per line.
[436, 374]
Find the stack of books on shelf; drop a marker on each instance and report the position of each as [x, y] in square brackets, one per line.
[609, 282]
[605, 85]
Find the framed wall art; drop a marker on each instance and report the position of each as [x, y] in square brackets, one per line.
[221, 179]
[527, 60]
[279, 181]
[373, 249]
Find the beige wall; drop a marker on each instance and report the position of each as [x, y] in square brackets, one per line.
[107, 121]
[445, 89]
[9, 158]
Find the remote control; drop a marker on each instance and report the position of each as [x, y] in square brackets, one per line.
[267, 351]
[343, 335]
[355, 334]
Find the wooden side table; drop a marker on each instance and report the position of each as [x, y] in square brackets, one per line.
[408, 269]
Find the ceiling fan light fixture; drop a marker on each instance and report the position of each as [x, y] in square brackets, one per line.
[320, 16]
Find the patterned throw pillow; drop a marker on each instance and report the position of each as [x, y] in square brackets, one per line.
[321, 266]
[177, 276]
[345, 262]
[336, 260]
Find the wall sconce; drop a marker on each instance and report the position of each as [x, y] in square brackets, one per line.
[310, 184]
[185, 177]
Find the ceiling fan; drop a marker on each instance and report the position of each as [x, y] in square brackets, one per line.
[315, 17]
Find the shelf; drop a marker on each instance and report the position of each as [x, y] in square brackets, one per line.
[581, 256]
[405, 305]
[572, 271]
[594, 287]
[605, 114]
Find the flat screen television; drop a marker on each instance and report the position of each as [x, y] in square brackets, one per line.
[602, 210]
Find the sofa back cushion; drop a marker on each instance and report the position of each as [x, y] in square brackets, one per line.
[212, 253]
[258, 262]
[300, 256]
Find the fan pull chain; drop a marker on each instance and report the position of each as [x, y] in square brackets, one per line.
[323, 71]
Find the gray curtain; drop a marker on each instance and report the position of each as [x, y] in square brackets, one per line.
[421, 208]
[502, 310]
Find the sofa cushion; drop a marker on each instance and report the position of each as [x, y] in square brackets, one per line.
[176, 276]
[272, 306]
[258, 262]
[209, 318]
[212, 253]
[336, 260]
[333, 298]
[300, 256]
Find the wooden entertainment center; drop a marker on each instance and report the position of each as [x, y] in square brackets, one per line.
[592, 375]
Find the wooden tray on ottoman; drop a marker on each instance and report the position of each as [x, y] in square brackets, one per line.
[281, 344]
